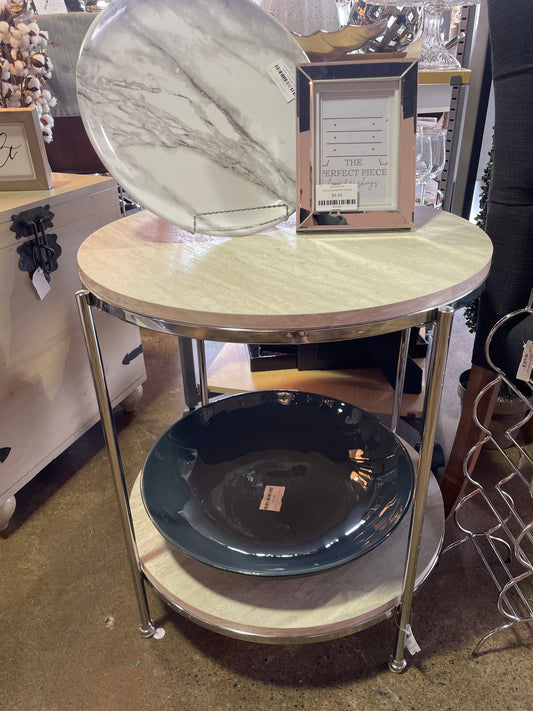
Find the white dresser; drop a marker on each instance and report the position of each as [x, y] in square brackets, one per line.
[46, 394]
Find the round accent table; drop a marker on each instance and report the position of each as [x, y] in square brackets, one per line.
[284, 287]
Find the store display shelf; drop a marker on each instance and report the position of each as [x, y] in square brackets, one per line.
[435, 89]
[453, 77]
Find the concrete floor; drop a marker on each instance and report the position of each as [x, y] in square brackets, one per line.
[69, 619]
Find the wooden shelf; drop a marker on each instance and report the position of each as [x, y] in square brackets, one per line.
[367, 388]
[445, 76]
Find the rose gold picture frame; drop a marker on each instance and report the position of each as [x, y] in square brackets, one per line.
[356, 144]
[23, 161]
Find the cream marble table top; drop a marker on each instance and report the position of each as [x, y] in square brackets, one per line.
[281, 285]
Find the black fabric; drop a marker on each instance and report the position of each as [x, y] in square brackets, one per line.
[519, 330]
[510, 204]
[519, 333]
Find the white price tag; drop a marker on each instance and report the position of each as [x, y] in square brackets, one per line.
[284, 78]
[42, 287]
[336, 198]
[410, 641]
[272, 498]
[526, 362]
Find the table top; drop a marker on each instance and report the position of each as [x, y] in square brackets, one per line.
[282, 285]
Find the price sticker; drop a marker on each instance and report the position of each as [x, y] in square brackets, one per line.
[284, 78]
[336, 198]
[272, 498]
[526, 362]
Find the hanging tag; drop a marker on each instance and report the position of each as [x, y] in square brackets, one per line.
[526, 362]
[410, 642]
[42, 287]
[284, 78]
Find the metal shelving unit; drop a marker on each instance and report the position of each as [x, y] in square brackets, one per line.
[468, 112]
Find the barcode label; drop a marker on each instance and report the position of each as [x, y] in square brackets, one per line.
[526, 362]
[272, 498]
[336, 197]
[323, 203]
[285, 79]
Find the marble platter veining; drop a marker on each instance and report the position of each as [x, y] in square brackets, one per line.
[179, 101]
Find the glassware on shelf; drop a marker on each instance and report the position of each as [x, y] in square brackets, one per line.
[343, 8]
[403, 29]
[423, 160]
[434, 53]
[403, 23]
[437, 139]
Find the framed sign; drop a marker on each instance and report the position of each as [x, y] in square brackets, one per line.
[23, 161]
[44, 7]
[356, 144]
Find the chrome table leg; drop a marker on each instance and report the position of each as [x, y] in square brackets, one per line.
[147, 626]
[437, 364]
[202, 368]
[188, 372]
[400, 379]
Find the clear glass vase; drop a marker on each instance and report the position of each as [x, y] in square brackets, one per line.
[434, 54]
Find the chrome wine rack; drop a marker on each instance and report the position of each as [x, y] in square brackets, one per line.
[506, 546]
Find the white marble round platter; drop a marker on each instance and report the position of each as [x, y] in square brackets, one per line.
[184, 106]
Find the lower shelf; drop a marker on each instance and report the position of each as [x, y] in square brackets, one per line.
[296, 610]
[367, 388]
